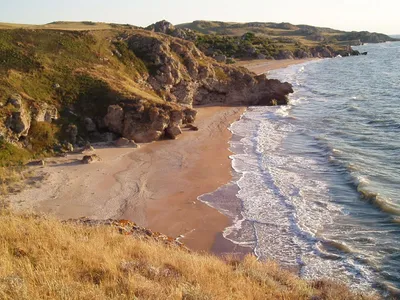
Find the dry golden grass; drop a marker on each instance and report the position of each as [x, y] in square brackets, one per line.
[41, 258]
[12, 179]
[74, 26]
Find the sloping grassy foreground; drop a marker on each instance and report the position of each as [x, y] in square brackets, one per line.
[42, 258]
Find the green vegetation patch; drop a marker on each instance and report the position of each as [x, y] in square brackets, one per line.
[43, 136]
[129, 59]
[11, 155]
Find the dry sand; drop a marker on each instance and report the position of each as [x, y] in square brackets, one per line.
[261, 66]
[155, 186]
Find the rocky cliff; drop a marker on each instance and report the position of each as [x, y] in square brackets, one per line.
[134, 83]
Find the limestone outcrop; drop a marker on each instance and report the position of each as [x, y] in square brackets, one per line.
[44, 113]
[183, 74]
[19, 120]
[21, 114]
[134, 121]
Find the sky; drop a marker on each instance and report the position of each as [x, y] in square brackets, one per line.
[372, 15]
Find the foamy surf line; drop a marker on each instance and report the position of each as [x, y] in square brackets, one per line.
[267, 205]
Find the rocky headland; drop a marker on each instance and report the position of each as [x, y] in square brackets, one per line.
[142, 86]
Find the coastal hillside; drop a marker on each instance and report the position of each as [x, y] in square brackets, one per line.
[43, 258]
[60, 88]
[276, 40]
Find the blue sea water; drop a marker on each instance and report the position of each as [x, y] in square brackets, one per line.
[318, 180]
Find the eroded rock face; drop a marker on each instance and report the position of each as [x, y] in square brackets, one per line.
[45, 113]
[114, 119]
[72, 133]
[19, 123]
[173, 131]
[23, 113]
[184, 75]
[90, 126]
[144, 124]
[15, 100]
[167, 28]
[20, 120]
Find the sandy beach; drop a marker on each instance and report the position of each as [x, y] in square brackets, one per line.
[261, 66]
[155, 186]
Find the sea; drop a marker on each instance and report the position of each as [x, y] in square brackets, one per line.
[316, 183]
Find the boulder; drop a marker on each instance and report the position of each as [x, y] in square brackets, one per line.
[173, 131]
[15, 100]
[89, 159]
[176, 116]
[123, 142]
[147, 136]
[114, 120]
[192, 127]
[302, 54]
[19, 122]
[44, 113]
[72, 133]
[107, 137]
[285, 54]
[90, 126]
[160, 123]
[87, 148]
[261, 56]
[220, 58]
[189, 115]
[37, 163]
[68, 147]
[163, 27]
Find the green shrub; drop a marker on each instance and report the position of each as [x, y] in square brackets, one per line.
[43, 136]
[220, 74]
[129, 59]
[11, 155]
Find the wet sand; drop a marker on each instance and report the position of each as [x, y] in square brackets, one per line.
[261, 66]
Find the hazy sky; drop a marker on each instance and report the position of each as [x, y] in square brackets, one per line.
[372, 15]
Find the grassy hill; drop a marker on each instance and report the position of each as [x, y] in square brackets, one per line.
[276, 40]
[43, 258]
[64, 25]
[309, 35]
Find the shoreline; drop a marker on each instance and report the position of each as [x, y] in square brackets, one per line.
[156, 186]
[261, 66]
